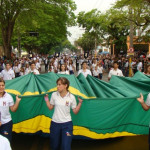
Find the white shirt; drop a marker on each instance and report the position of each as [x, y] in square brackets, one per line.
[126, 64]
[62, 107]
[139, 66]
[38, 65]
[4, 143]
[70, 67]
[64, 72]
[34, 71]
[22, 73]
[117, 72]
[85, 73]
[5, 102]
[8, 75]
[93, 66]
[95, 72]
[27, 71]
[100, 69]
[16, 69]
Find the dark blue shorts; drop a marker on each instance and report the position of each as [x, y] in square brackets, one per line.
[61, 135]
[6, 130]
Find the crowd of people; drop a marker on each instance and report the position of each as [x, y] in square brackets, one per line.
[73, 64]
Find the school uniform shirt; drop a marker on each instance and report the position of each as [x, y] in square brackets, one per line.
[38, 66]
[4, 143]
[85, 73]
[93, 66]
[95, 72]
[5, 102]
[70, 67]
[16, 69]
[27, 71]
[34, 71]
[21, 73]
[62, 107]
[100, 69]
[64, 72]
[139, 66]
[117, 72]
[8, 75]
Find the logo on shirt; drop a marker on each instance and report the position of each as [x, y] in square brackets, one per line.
[67, 103]
[4, 103]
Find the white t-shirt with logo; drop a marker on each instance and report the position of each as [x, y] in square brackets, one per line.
[117, 72]
[62, 106]
[5, 102]
[8, 75]
[4, 143]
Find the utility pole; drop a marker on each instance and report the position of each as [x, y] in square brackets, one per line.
[131, 40]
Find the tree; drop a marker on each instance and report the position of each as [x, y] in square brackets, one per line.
[40, 14]
[140, 15]
[107, 27]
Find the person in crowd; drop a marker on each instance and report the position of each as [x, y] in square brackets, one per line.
[115, 71]
[147, 71]
[101, 70]
[6, 103]
[61, 125]
[22, 71]
[51, 68]
[139, 65]
[8, 73]
[33, 68]
[94, 64]
[27, 68]
[38, 65]
[126, 68]
[96, 72]
[134, 65]
[63, 69]
[71, 67]
[46, 62]
[16, 69]
[84, 70]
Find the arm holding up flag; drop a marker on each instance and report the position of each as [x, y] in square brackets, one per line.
[16, 105]
[49, 105]
[145, 105]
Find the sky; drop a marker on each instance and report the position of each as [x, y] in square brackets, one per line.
[88, 5]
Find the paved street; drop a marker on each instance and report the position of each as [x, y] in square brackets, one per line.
[32, 142]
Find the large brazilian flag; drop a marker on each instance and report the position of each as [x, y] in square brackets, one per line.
[108, 109]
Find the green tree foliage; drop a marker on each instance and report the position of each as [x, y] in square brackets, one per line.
[49, 18]
[106, 27]
[140, 15]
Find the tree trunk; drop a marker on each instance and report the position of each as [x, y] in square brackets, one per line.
[19, 45]
[6, 37]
